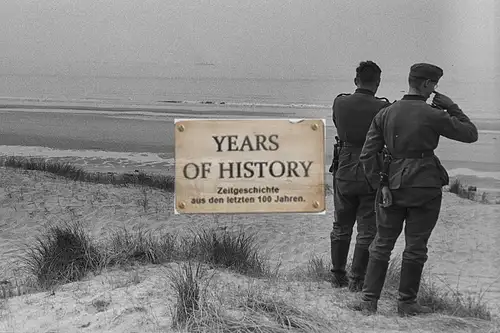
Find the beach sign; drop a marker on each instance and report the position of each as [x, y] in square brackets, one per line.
[249, 166]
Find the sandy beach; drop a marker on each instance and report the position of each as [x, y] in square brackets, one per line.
[138, 299]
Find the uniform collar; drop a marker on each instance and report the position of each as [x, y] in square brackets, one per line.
[414, 98]
[364, 91]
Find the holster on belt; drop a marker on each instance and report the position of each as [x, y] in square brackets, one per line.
[384, 174]
[336, 152]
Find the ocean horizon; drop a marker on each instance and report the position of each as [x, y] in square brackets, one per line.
[479, 100]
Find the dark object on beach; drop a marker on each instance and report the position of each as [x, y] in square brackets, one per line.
[472, 189]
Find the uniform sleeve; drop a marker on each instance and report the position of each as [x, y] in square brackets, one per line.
[455, 125]
[369, 157]
[333, 114]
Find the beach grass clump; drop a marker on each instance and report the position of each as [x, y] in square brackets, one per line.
[63, 254]
[143, 246]
[319, 269]
[75, 173]
[235, 251]
[466, 192]
[248, 310]
[186, 284]
[282, 314]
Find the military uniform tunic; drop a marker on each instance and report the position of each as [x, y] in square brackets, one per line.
[354, 198]
[410, 128]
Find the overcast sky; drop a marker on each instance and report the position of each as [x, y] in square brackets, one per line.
[247, 38]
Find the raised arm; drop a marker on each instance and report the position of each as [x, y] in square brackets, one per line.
[370, 157]
[454, 124]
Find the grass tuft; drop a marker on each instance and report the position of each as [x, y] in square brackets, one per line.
[63, 254]
[235, 251]
[285, 315]
[142, 246]
[186, 284]
[242, 311]
[318, 270]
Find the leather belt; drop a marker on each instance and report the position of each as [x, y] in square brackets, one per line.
[414, 154]
[349, 145]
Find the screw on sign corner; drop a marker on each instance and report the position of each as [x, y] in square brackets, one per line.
[314, 127]
[316, 204]
[181, 128]
[181, 205]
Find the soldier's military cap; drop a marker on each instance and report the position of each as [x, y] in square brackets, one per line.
[426, 71]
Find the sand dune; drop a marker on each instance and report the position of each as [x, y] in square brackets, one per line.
[134, 301]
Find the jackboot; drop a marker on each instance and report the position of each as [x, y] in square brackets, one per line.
[409, 285]
[339, 252]
[358, 269]
[372, 287]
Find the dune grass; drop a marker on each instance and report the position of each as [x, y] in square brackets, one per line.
[440, 300]
[65, 253]
[234, 251]
[75, 173]
[186, 284]
[251, 310]
[143, 246]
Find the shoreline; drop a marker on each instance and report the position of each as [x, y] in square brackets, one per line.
[128, 163]
[188, 108]
[129, 136]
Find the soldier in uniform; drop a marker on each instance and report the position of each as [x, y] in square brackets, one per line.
[353, 197]
[411, 185]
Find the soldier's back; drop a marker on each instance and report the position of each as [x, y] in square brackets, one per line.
[411, 135]
[353, 114]
[410, 126]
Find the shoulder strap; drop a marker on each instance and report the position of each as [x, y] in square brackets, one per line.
[383, 99]
[343, 94]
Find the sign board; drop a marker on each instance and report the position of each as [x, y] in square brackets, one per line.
[249, 166]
